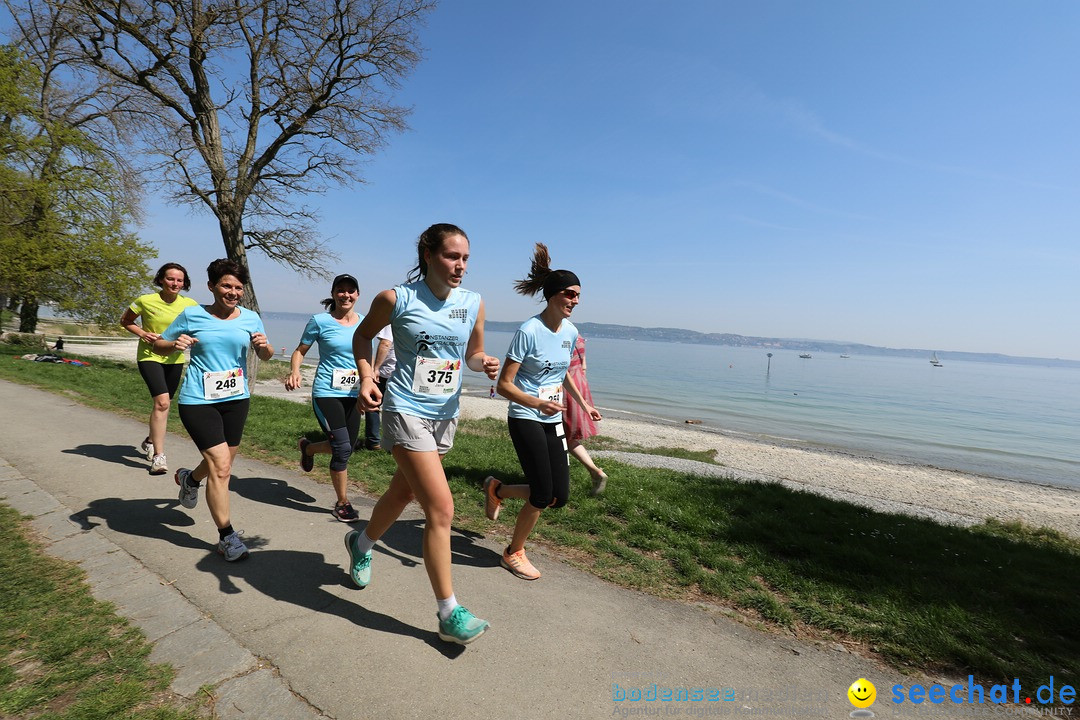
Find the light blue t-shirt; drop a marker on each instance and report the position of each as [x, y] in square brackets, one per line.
[218, 364]
[544, 357]
[335, 353]
[430, 339]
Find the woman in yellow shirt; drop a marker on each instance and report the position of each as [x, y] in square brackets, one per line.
[161, 372]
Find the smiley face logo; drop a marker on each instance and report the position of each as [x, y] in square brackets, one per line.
[862, 693]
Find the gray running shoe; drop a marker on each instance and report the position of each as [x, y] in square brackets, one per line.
[189, 492]
[147, 448]
[159, 466]
[232, 548]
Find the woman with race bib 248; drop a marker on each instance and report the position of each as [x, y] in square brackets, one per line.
[215, 395]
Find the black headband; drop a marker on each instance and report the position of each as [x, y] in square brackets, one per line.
[558, 281]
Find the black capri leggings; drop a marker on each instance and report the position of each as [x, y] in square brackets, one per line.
[161, 378]
[215, 423]
[541, 450]
[334, 413]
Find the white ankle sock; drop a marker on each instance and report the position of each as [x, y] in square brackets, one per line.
[446, 606]
[364, 543]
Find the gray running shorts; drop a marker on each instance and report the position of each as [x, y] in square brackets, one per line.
[417, 434]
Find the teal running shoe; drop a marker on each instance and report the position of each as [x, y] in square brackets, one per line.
[462, 627]
[359, 563]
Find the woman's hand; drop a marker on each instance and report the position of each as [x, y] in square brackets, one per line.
[294, 380]
[491, 366]
[550, 407]
[369, 398]
[184, 342]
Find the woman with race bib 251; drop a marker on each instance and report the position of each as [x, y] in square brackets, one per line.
[533, 379]
[333, 392]
[214, 397]
[438, 329]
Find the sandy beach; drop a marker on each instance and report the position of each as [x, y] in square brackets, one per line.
[943, 495]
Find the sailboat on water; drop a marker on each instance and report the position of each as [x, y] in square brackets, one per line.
[934, 360]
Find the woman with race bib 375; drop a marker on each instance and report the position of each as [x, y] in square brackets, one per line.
[215, 396]
[533, 379]
[333, 392]
[438, 329]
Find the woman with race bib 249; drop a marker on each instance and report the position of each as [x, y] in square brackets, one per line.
[333, 392]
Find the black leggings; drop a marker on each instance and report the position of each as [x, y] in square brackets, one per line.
[541, 450]
[215, 423]
[161, 378]
[340, 421]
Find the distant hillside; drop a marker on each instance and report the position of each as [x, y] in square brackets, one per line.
[692, 337]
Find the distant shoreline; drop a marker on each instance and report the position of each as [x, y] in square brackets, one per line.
[766, 344]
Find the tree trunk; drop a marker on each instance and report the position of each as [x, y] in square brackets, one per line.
[28, 316]
[232, 233]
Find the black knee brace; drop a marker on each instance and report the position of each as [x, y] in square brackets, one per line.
[340, 449]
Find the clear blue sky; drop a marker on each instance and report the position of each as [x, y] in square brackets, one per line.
[903, 174]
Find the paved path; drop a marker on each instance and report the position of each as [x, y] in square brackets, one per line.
[285, 635]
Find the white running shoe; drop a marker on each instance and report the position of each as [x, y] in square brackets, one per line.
[158, 466]
[147, 448]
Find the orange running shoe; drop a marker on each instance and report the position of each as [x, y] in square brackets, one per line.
[492, 502]
[518, 564]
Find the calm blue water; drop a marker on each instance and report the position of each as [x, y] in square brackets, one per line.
[1017, 422]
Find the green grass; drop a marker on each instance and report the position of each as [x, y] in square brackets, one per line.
[65, 655]
[603, 442]
[997, 601]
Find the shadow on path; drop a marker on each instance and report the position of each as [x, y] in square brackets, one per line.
[146, 517]
[271, 491]
[290, 576]
[406, 537]
[118, 454]
[298, 578]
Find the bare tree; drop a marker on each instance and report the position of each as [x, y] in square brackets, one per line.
[243, 106]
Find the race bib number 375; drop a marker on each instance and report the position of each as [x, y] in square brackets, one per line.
[433, 376]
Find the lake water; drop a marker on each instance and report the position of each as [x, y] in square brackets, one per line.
[1017, 422]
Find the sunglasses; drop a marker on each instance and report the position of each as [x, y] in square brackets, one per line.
[571, 294]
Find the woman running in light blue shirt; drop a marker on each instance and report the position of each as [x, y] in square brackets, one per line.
[533, 379]
[438, 330]
[214, 396]
[333, 393]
